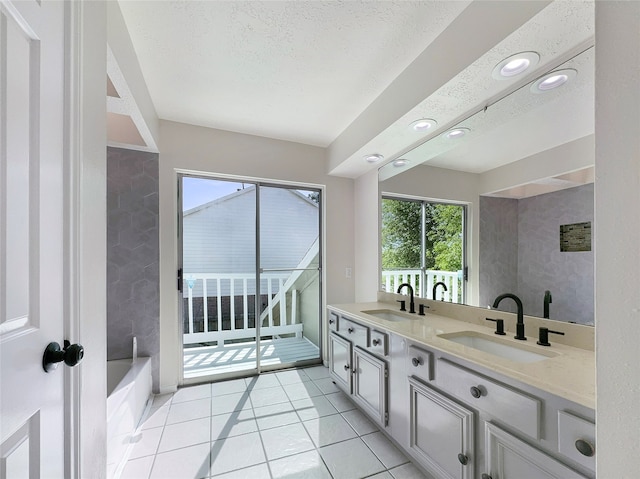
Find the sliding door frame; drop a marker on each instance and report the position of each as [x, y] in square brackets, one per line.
[258, 183]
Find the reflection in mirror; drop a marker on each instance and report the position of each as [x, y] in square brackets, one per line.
[521, 252]
[524, 169]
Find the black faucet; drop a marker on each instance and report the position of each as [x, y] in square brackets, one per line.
[547, 300]
[435, 287]
[520, 325]
[412, 306]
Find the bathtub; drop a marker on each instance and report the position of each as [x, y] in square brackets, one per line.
[128, 390]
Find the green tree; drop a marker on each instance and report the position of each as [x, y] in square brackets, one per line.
[400, 234]
[401, 230]
[446, 236]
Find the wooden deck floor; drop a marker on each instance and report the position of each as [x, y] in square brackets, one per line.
[207, 360]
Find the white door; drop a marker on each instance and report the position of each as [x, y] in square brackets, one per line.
[32, 226]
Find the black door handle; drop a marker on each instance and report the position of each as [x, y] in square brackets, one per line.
[72, 354]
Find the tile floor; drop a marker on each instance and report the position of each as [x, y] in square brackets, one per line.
[291, 424]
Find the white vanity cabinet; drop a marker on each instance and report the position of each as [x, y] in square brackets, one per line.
[468, 422]
[441, 433]
[509, 457]
[357, 366]
[456, 418]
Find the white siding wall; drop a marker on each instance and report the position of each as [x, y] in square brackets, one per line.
[219, 237]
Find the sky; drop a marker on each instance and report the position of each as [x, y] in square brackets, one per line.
[197, 191]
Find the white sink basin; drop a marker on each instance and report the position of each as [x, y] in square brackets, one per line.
[497, 347]
[389, 315]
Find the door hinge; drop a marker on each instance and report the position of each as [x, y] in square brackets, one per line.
[386, 373]
[386, 418]
[180, 279]
[466, 273]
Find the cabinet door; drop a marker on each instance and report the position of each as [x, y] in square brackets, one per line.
[441, 433]
[370, 384]
[340, 361]
[510, 458]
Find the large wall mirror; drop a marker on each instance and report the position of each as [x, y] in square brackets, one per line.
[523, 168]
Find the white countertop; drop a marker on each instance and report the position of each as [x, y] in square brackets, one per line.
[569, 374]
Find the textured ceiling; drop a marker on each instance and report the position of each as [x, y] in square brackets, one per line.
[293, 70]
[305, 71]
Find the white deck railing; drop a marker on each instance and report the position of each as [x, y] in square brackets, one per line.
[218, 285]
[391, 279]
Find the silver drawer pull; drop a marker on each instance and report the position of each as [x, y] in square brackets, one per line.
[376, 342]
[416, 362]
[350, 330]
[464, 460]
[331, 321]
[585, 448]
[346, 367]
[475, 391]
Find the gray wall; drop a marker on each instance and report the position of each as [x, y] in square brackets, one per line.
[132, 255]
[498, 262]
[540, 264]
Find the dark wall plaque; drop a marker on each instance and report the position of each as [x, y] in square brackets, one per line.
[575, 237]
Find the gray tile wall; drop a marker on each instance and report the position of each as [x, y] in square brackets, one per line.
[133, 288]
[520, 253]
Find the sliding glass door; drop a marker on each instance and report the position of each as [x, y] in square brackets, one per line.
[289, 275]
[250, 277]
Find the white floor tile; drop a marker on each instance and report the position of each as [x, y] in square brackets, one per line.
[261, 471]
[302, 390]
[186, 411]
[184, 434]
[326, 385]
[308, 465]
[229, 403]
[358, 421]
[228, 387]
[384, 450]
[340, 401]
[232, 424]
[328, 430]
[138, 468]
[314, 408]
[317, 372]
[188, 463]
[382, 475]
[236, 453]
[155, 418]
[190, 393]
[145, 442]
[292, 377]
[285, 441]
[407, 471]
[350, 460]
[261, 382]
[267, 397]
[275, 415]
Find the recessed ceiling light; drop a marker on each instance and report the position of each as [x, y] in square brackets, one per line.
[373, 158]
[456, 133]
[423, 124]
[514, 65]
[400, 162]
[552, 80]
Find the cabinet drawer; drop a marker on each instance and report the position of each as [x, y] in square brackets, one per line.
[577, 439]
[333, 321]
[420, 363]
[354, 332]
[379, 343]
[509, 406]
